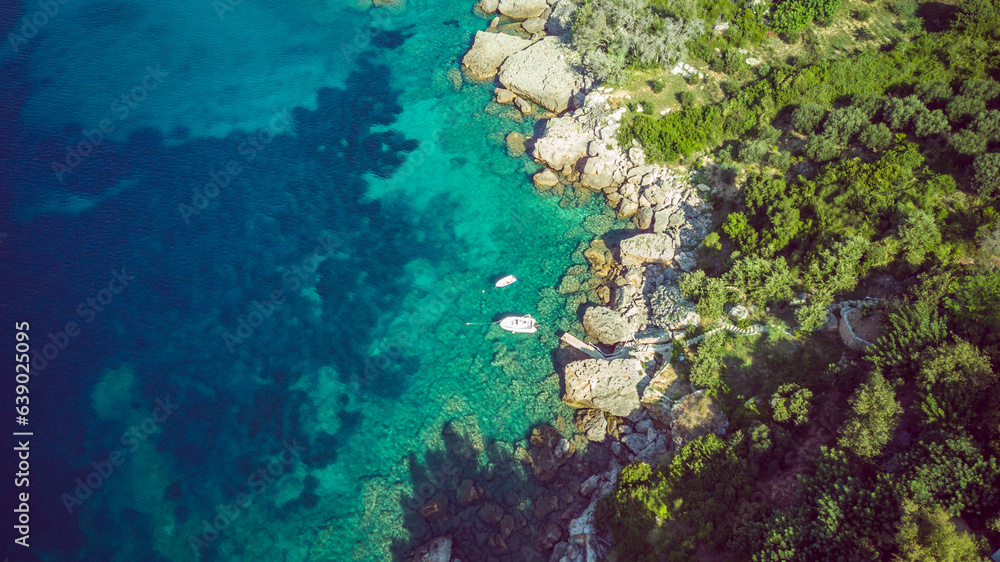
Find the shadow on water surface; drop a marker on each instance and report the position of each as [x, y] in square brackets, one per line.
[498, 501]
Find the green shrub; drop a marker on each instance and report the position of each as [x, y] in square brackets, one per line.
[869, 104]
[790, 17]
[919, 234]
[933, 91]
[807, 117]
[769, 134]
[780, 160]
[712, 242]
[873, 419]
[904, 8]
[984, 90]
[730, 62]
[844, 123]
[899, 112]
[876, 136]
[928, 123]
[790, 403]
[987, 124]
[687, 98]
[968, 142]
[678, 133]
[862, 14]
[964, 106]
[753, 152]
[979, 19]
[821, 148]
[987, 179]
[657, 85]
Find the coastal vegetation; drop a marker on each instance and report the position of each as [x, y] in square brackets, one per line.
[843, 172]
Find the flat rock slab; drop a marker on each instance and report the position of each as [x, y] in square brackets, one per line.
[489, 51]
[609, 386]
[544, 73]
[651, 248]
[522, 9]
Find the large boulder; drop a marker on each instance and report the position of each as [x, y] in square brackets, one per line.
[522, 9]
[563, 144]
[545, 179]
[649, 248]
[606, 325]
[545, 73]
[437, 550]
[488, 52]
[592, 424]
[610, 386]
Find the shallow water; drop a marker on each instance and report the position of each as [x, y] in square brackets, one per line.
[315, 302]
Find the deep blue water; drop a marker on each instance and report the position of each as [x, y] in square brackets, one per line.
[280, 241]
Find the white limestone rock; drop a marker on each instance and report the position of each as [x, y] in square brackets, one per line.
[489, 51]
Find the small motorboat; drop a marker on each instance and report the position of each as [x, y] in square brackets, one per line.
[508, 280]
[520, 324]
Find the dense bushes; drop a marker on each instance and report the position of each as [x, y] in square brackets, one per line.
[678, 133]
[614, 33]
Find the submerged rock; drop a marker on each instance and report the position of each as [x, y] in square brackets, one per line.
[545, 73]
[489, 51]
[548, 453]
[515, 144]
[606, 325]
[437, 550]
[610, 386]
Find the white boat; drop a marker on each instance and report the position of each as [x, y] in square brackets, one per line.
[520, 324]
[510, 279]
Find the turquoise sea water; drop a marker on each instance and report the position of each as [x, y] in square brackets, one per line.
[302, 312]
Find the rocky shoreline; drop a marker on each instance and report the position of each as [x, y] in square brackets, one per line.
[634, 406]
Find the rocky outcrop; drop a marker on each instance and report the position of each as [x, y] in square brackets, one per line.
[670, 310]
[563, 143]
[489, 51]
[522, 9]
[648, 248]
[549, 451]
[546, 72]
[610, 386]
[592, 424]
[606, 325]
[695, 415]
[560, 22]
[665, 389]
